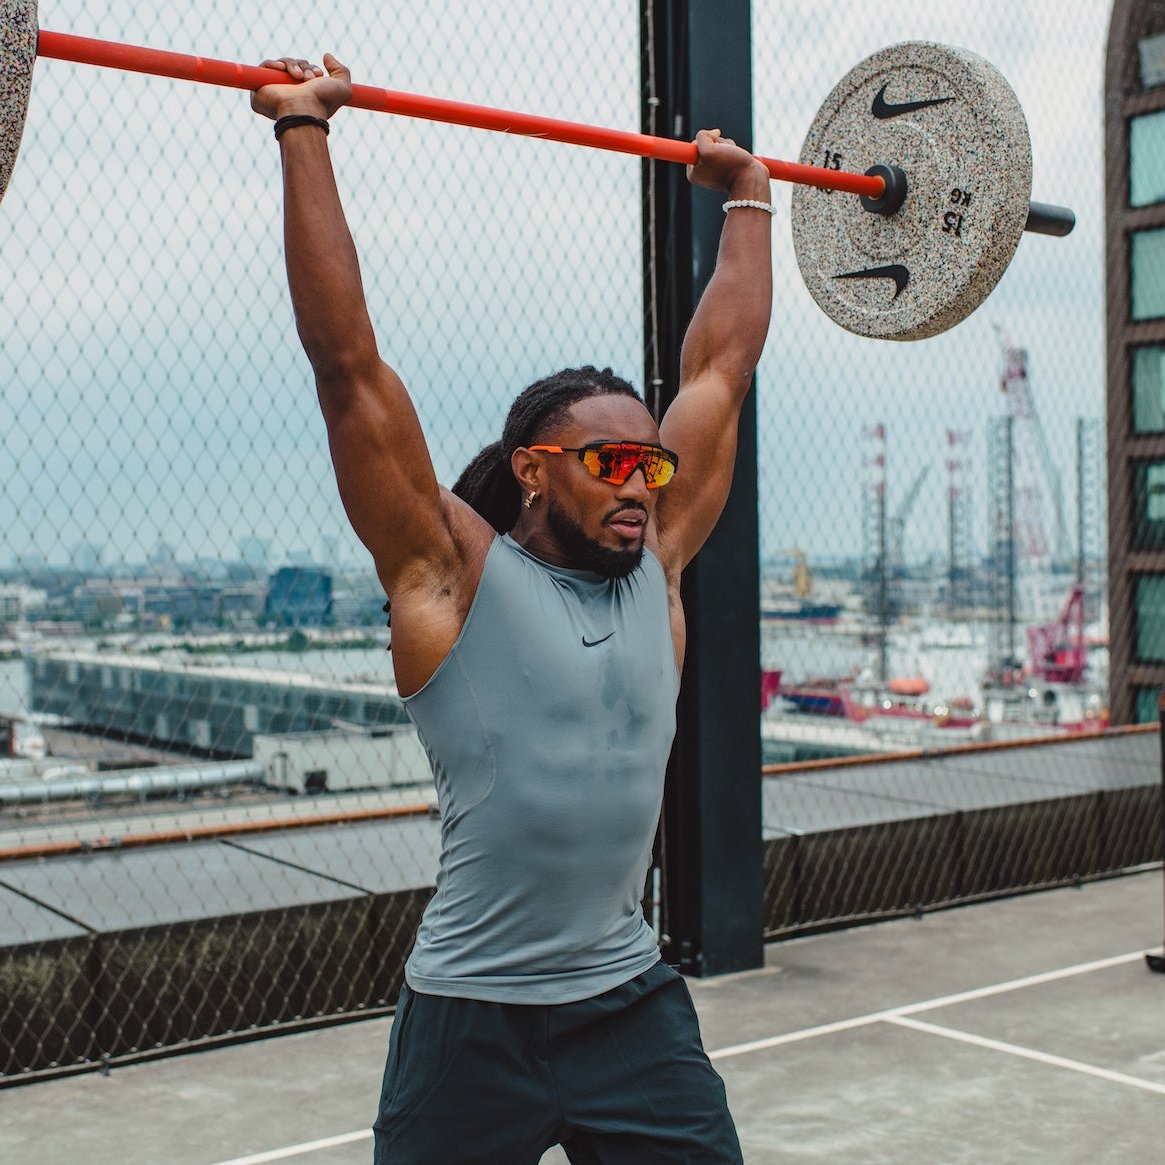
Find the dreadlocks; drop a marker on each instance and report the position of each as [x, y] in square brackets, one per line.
[487, 483]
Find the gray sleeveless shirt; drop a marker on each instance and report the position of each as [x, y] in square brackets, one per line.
[548, 728]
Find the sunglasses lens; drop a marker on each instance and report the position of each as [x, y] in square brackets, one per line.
[616, 463]
[661, 470]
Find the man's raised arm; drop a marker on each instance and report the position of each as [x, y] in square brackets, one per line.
[721, 349]
[382, 463]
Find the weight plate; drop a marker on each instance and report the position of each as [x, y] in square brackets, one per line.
[17, 54]
[951, 122]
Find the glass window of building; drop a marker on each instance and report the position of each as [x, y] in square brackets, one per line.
[1151, 618]
[1149, 508]
[1147, 699]
[1148, 274]
[1149, 389]
[1151, 58]
[1147, 159]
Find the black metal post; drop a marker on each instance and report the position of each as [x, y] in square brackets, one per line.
[1156, 961]
[697, 74]
[883, 585]
[952, 551]
[1009, 429]
[1081, 500]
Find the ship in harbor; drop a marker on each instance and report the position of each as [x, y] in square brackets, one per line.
[1057, 690]
[802, 611]
[939, 654]
[819, 696]
[797, 602]
[901, 703]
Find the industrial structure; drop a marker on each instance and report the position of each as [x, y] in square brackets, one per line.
[206, 711]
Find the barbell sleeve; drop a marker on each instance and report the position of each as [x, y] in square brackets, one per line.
[1045, 219]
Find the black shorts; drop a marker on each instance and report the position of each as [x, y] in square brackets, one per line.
[620, 1079]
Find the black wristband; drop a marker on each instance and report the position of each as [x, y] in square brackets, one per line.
[294, 119]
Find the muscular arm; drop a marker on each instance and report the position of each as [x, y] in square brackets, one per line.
[426, 544]
[721, 349]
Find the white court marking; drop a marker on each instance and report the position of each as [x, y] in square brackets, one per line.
[895, 1015]
[843, 1025]
[300, 1149]
[1026, 1053]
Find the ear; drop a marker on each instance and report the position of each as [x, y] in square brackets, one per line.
[528, 469]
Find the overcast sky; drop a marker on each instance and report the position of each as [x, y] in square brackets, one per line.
[153, 386]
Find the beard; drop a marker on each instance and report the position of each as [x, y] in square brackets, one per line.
[587, 554]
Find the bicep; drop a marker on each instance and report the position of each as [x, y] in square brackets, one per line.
[383, 469]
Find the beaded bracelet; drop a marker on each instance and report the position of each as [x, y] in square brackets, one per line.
[294, 119]
[755, 204]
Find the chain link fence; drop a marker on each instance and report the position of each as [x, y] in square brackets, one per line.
[893, 474]
[933, 525]
[214, 818]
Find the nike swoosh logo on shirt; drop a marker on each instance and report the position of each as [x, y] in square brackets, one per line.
[895, 271]
[883, 109]
[595, 642]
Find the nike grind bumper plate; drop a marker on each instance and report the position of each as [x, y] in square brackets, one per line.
[953, 125]
[17, 55]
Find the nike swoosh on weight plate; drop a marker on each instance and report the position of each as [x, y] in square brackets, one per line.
[883, 109]
[595, 643]
[895, 271]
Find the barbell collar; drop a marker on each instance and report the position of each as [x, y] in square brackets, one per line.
[893, 193]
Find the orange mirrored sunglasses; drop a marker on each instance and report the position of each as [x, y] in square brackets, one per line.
[616, 461]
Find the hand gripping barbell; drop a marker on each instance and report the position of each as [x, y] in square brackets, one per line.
[931, 139]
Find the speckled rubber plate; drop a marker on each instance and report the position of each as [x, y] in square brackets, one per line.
[948, 119]
[17, 53]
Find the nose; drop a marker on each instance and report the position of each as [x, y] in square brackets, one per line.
[636, 484]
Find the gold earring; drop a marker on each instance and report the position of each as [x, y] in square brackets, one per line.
[530, 498]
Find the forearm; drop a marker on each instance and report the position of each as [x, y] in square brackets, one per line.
[323, 271]
[728, 330]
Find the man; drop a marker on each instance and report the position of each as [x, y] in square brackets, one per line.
[537, 641]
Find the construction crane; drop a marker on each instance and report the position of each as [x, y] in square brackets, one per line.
[899, 520]
[1036, 481]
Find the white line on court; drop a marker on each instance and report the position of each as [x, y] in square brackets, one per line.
[300, 1149]
[843, 1025]
[892, 1015]
[1026, 1053]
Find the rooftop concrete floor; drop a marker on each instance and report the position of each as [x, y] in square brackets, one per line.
[1023, 1030]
